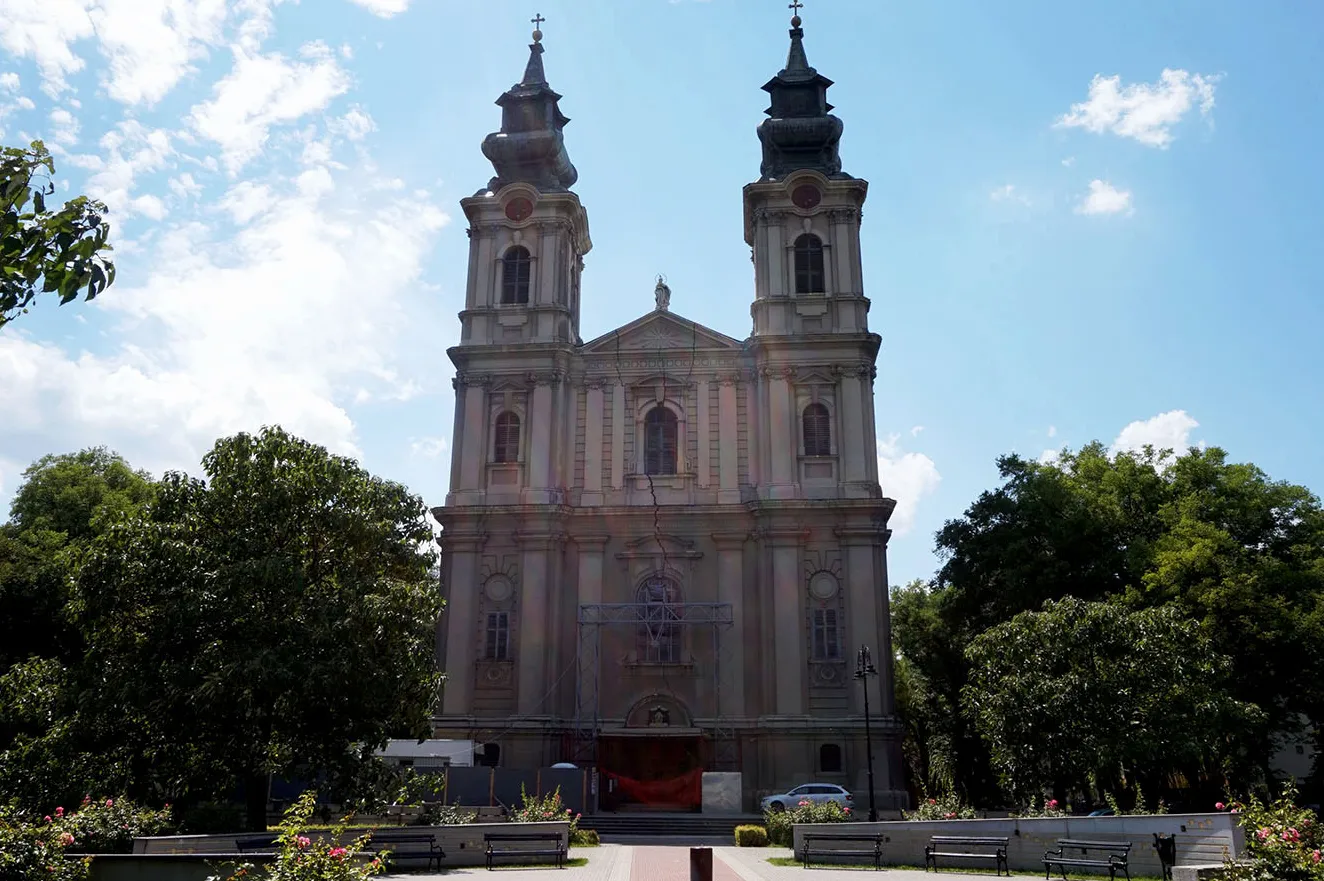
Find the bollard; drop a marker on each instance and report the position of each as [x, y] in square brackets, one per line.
[701, 864]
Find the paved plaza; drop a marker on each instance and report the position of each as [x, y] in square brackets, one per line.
[626, 862]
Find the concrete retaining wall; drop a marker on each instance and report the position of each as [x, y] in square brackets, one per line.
[463, 844]
[1201, 838]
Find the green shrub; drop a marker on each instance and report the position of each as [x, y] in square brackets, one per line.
[32, 849]
[946, 807]
[545, 809]
[110, 825]
[1050, 808]
[751, 836]
[584, 837]
[779, 823]
[1283, 842]
[300, 857]
[446, 815]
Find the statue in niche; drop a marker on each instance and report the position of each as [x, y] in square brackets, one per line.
[662, 294]
[659, 717]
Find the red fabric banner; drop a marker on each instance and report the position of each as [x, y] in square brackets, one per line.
[687, 789]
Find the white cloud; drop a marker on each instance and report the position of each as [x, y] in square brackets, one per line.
[262, 91]
[906, 477]
[64, 127]
[9, 82]
[132, 149]
[384, 8]
[354, 125]
[225, 332]
[915, 430]
[428, 447]
[185, 187]
[1170, 430]
[1145, 112]
[1069, 161]
[45, 31]
[1009, 193]
[246, 200]
[150, 45]
[1104, 198]
[1052, 431]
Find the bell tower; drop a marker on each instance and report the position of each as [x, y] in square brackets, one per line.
[528, 234]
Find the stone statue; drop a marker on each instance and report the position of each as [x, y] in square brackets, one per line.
[663, 295]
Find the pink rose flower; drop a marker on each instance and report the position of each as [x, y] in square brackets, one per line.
[48, 818]
[110, 802]
[338, 852]
[1052, 803]
[1315, 856]
[66, 839]
[302, 841]
[59, 812]
[1219, 806]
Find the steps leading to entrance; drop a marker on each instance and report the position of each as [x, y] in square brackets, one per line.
[658, 825]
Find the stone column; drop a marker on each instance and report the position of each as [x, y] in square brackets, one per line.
[728, 427]
[534, 611]
[853, 434]
[589, 593]
[702, 416]
[781, 435]
[593, 447]
[617, 436]
[731, 590]
[788, 621]
[461, 623]
[859, 545]
[473, 445]
[540, 434]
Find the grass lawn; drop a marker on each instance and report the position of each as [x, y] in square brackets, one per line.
[793, 862]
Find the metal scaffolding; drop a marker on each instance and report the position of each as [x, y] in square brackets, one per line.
[717, 617]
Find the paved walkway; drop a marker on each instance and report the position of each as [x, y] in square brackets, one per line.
[628, 862]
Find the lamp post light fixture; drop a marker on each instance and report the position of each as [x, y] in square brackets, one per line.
[864, 668]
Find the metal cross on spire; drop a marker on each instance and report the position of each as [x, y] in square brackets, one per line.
[538, 20]
[795, 7]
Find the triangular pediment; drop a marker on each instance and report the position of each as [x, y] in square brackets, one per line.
[660, 330]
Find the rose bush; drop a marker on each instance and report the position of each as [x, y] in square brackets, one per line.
[550, 809]
[779, 823]
[1051, 808]
[944, 807]
[33, 849]
[1284, 842]
[301, 857]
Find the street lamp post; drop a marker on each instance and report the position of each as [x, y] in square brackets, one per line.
[864, 668]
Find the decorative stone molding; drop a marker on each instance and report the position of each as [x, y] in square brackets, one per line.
[481, 380]
[729, 378]
[843, 215]
[539, 378]
[730, 541]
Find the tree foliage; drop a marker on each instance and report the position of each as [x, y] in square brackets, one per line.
[277, 617]
[1082, 692]
[45, 250]
[1220, 543]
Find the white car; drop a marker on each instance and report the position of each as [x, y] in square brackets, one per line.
[814, 792]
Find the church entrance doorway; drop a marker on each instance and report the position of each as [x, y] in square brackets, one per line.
[656, 762]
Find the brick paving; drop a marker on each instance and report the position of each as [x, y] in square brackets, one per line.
[623, 862]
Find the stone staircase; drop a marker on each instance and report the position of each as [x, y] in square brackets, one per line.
[649, 824]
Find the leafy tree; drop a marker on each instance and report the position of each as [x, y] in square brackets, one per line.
[64, 502]
[1094, 691]
[275, 619]
[1231, 549]
[43, 250]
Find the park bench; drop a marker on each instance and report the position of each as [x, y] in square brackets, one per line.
[817, 844]
[1166, 845]
[503, 845]
[406, 846]
[256, 844]
[946, 846]
[1098, 856]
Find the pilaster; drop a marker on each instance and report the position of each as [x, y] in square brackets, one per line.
[789, 660]
[731, 589]
[728, 443]
[593, 412]
[704, 431]
[535, 608]
[461, 617]
[860, 547]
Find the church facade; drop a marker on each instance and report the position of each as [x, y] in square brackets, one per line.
[663, 546]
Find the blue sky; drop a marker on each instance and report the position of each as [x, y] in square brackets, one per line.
[1086, 221]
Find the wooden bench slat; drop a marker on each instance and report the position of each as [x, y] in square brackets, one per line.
[1118, 856]
[998, 855]
[492, 839]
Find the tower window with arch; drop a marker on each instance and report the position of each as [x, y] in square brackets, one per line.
[826, 639]
[659, 628]
[505, 441]
[661, 441]
[810, 277]
[817, 424]
[516, 276]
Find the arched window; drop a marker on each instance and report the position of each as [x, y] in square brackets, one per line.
[809, 278]
[498, 636]
[517, 271]
[505, 446]
[826, 636]
[829, 758]
[661, 429]
[659, 630]
[817, 430]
